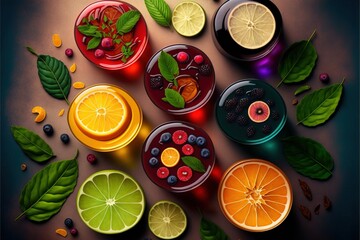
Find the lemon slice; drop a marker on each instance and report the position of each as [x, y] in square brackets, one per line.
[102, 114]
[188, 18]
[110, 202]
[251, 25]
[167, 220]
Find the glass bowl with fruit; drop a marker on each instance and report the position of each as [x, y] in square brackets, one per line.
[178, 156]
[179, 79]
[111, 34]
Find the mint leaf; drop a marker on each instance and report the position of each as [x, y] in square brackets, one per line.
[301, 89]
[160, 11]
[194, 163]
[174, 98]
[127, 21]
[211, 231]
[168, 66]
[89, 30]
[93, 43]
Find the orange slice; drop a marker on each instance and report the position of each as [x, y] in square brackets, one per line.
[255, 195]
[170, 157]
[56, 40]
[41, 113]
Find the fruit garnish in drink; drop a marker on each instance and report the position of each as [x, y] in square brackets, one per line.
[255, 195]
[251, 25]
[167, 220]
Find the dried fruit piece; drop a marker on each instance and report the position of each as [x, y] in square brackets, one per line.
[62, 232]
[306, 189]
[78, 85]
[23, 167]
[317, 209]
[72, 68]
[295, 101]
[61, 112]
[327, 203]
[305, 212]
[56, 40]
[41, 113]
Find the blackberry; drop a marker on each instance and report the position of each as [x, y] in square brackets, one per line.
[257, 93]
[275, 116]
[250, 131]
[230, 117]
[239, 91]
[230, 103]
[270, 102]
[243, 102]
[266, 129]
[238, 109]
[156, 82]
[242, 120]
[205, 69]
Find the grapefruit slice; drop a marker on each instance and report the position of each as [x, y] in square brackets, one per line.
[258, 111]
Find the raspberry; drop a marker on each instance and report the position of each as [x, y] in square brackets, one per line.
[187, 149]
[179, 137]
[162, 172]
[156, 82]
[205, 69]
[184, 173]
[250, 131]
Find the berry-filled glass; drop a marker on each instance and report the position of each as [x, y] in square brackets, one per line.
[179, 79]
[111, 34]
[251, 112]
[178, 156]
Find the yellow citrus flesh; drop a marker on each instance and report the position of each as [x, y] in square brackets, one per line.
[170, 157]
[188, 18]
[251, 25]
[167, 220]
[41, 113]
[102, 115]
[255, 195]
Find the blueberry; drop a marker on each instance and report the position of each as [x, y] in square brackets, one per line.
[200, 141]
[191, 139]
[48, 129]
[69, 222]
[65, 138]
[165, 137]
[153, 161]
[205, 153]
[172, 179]
[155, 151]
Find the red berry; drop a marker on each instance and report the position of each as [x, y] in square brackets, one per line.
[69, 52]
[99, 53]
[187, 149]
[199, 59]
[182, 57]
[324, 77]
[179, 137]
[162, 172]
[73, 231]
[184, 173]
[106, 42]
[91, 158]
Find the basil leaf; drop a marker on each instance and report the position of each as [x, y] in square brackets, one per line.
[297, 62]
[160, 11]
[302, 89]
[127, 21]
[32, 144]
[317, 107]
[46, 192]
[54, 76]
[168, 66]
[89, 30]
[210, 231]
[174, 98]
[93, 43]
[308, 157]
[194, 163]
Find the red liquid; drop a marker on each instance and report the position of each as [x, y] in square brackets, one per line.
[205, 83]
[112, 59]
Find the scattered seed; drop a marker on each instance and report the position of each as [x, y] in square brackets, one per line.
[295, 101]
[305, 212]
[73, 68]
[317, 209]
[306, 189]
[62, 232]
[23, 167]
[56, 40]
[78, 85]
[327, 203]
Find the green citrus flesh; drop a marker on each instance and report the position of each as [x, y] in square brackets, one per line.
[167, 220]
[110, 202]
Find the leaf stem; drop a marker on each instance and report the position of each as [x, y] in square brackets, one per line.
[32, 51]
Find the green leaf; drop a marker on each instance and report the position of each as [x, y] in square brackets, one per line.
[297, 62]
[32, 144]
[317, 107]
[54, 76]
[308, 157]
[94, 43]
[210, 231]
[89, 30]
[46, 192]
[302, 89]
[174, 98]
[127, 21]
[168, 66]
[194, 163]
[160, 11]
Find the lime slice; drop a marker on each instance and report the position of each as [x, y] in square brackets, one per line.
[251, 25]
[188, 18]
[167, 220]
[110, 202]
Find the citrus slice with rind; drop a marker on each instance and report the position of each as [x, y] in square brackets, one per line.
[170, 157]
[102, 114]
[188, 18]
[251, 25]
[110, 202]
[167, 220]
[255, 195]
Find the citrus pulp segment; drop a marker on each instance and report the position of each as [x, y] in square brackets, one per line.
[255, 195]
[251, 25]
[110, 202]
[167, 220]
[188, 18]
